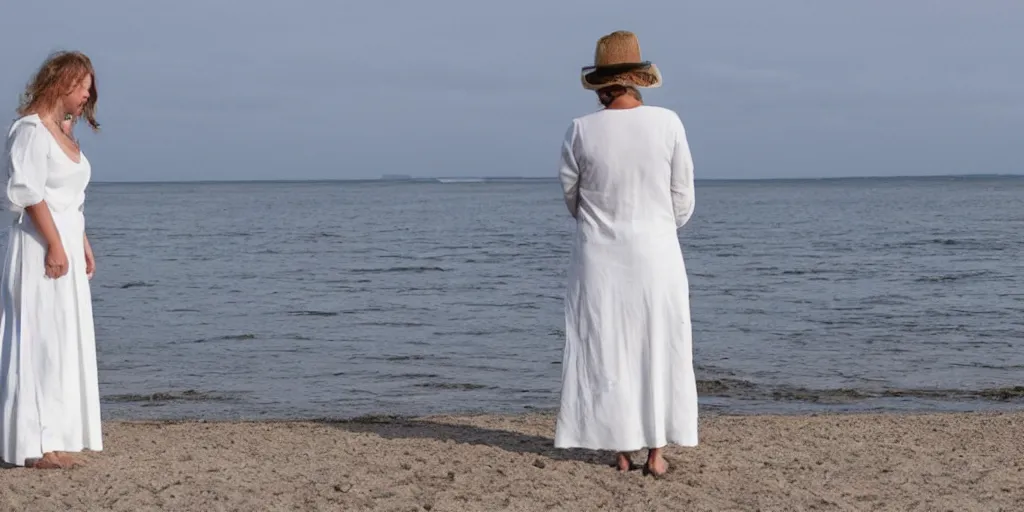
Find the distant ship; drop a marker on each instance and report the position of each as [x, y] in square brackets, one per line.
[461, 180]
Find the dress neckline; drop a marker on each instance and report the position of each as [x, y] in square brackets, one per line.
[81, 155]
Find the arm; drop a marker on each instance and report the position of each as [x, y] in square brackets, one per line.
[682, 177]
[27, 181]
[43, 221]
[90, 259]
[569, 171]
[26, 185]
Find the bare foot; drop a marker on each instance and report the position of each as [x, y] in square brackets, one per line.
[656, 465]
[623, 462]
[68, 460]
[49, 460]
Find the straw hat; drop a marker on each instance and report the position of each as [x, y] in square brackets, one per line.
[617, 61]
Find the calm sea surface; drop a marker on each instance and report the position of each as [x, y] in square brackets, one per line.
[290, 300]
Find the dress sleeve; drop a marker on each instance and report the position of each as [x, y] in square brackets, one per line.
[569, 171]
[26, 181]
[682, 176]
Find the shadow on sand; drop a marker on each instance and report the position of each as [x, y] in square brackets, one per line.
[394, 427]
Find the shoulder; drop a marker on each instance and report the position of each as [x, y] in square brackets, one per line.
[593, 117]
[27, 125]
[666, 114]
[573, 128]
[670, 119]
[29, 134]
[660, 111]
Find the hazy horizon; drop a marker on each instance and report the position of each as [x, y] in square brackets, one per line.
[317, 90]
[554, 179]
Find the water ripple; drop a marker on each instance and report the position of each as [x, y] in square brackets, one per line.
[418, 298]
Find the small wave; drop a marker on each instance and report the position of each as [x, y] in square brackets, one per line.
[456, 386]
[401, 358]
[133, 284]
[837, 395]
[228, 234]
[395, 270]
[482, 332]
[804, 272]
[190, 395]
[1003, 394]
[945, 278]
[736, 388]
[965, 244]
[390, 324]
[989, 366]
[888, 300]
[230, 337]
[723, 387]
[920, 243]
[313, 313]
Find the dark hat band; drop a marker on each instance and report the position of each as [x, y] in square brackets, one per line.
[614, 69]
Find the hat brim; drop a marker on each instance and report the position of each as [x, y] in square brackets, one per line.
[640, 74]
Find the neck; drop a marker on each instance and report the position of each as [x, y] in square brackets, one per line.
[55, 113]
[624, 102]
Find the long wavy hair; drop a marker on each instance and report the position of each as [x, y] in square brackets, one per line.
[57, 77]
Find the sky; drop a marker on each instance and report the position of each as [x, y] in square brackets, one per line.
[304, 89]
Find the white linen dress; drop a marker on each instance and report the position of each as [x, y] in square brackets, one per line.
[627, 374]
[49, 394]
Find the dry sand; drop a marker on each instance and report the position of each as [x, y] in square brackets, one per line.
[929, 463]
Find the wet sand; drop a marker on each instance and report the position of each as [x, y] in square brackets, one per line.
[857, 462]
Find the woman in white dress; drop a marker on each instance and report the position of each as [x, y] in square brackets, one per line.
[627, 175]
[49, 396]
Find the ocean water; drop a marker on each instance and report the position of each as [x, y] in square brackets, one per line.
[287, 300]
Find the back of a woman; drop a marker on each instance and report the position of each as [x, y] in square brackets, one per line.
[628, 155]
[627, 177]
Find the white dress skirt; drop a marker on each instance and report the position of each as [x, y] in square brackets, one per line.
[627, 374]
[49, 393]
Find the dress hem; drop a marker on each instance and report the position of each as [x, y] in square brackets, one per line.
[646, 446]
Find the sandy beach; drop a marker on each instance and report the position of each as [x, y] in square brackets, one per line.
[446, 463]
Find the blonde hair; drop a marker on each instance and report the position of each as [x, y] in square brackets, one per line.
[59, 74]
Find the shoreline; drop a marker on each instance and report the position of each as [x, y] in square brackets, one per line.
[729, 396]
[706, 411]
[847, 461]
[710, 407]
